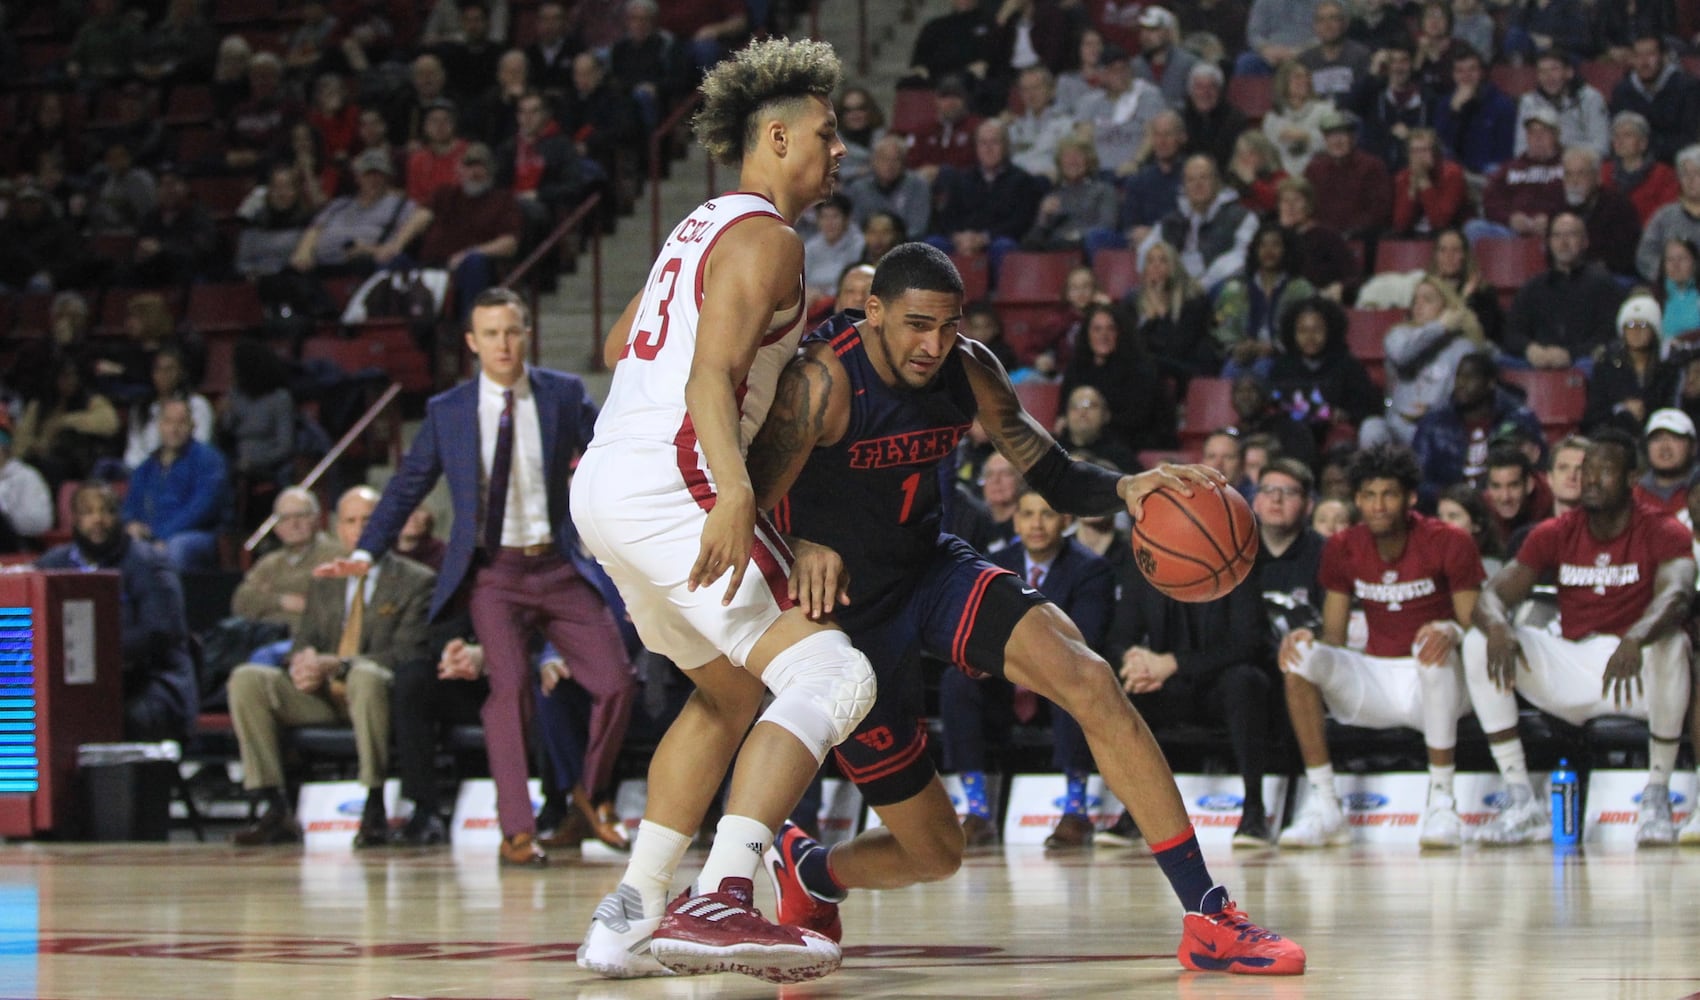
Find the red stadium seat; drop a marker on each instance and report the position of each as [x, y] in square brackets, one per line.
[1209, 408]
[1042, 400]
[190, 104]
[1366, 332]
[1602, 74]
[1117, 271]
[1025, 325]
[1507, 263]
[1029, 277]
[221, 195]
[975, 271]
[913, 112]
[1403, 255]
[1253, 95]
[232, 307]
[220, 375]
[1557, 397]
[114, 306]
[1514, 80]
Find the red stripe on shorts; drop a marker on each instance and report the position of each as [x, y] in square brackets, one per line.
[971, 611]
[774, 563]
[889, 766]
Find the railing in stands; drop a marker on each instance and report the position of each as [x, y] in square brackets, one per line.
[312, 478]
[656, 138]
[559, 233]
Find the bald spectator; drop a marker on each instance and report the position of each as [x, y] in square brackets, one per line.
[1613, 229]
[274, 590]
[1208, 225]
[497, 111]
[179, 496]
[1149, 193]
[988, 208]
[890, 186]
[1562, 314]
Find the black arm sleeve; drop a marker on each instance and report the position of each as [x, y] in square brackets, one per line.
[1078, 488]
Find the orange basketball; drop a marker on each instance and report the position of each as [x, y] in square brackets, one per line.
[1195, 548]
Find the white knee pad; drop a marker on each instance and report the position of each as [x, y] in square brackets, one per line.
[822, 687]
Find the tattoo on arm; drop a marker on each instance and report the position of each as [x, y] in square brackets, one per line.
[1012, 430]
[793, 426]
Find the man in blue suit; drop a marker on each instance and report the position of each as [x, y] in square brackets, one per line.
[506, 441]
[1082, 584]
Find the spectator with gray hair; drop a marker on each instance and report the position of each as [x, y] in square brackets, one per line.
[1212, 124]
[1613, 228]
[890, 186]
[1679, 219]
[1630, 168]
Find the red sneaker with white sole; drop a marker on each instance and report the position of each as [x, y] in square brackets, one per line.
[722, 931]
[1227, 941]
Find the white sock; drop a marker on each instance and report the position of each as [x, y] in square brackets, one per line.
[1440, 778]
[1661, 761]
[1321, 778]
[738, 845]
[655, 853]
[1513, 766]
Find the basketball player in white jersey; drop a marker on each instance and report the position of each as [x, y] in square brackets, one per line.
[1625, 576]
[1417, 579]
[662, 498]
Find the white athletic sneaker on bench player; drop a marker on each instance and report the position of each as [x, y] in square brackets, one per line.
[1442, 828]
[1319, 824]
[1522, 822]
[1653, 826]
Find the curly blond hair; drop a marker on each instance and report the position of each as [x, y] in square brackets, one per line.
[764, 74]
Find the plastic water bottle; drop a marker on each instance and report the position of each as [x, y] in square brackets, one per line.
[1566, 807]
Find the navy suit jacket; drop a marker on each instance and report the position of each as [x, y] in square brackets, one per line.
[448, 445]
[1080, 582]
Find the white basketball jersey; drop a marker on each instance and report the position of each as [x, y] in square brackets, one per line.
[646, 402]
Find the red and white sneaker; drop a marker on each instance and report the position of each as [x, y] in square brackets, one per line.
[1227, 941]
[798, 907]
[722, 931]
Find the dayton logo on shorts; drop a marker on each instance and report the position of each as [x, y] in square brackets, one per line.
[1600, 575]
[878, 738]
[913, 448]
[1391, 592]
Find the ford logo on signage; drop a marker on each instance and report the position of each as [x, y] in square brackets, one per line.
[1365, 801]
[1498, 800]
[1675, 799]
[353, 807]
[1093, 803]
[1220, 802]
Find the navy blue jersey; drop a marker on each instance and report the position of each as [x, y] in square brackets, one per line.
[875, 495]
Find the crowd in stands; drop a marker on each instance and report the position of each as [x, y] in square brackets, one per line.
[1274, 236]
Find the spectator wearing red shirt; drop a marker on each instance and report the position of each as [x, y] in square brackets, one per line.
[1625, 576]
[1430, 195]
[540, 166]
[1529, 189]
[334, 118]
[474, 227]
[435, 162]
[1354, 195]
[1416, 579]
[1631, 169]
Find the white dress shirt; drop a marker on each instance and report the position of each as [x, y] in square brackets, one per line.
[526, 521]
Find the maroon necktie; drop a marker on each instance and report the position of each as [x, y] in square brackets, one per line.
[501, 465]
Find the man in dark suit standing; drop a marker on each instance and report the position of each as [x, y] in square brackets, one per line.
[506, 441]
[1081, 583]
[353, 636]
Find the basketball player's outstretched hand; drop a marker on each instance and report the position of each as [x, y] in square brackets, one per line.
[1182, 478]
[1503, 652]
[819, 581]
[727, 536]
[1623, 669]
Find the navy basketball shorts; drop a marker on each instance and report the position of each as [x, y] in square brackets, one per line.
[961, 610]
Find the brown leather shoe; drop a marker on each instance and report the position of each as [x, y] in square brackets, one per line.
[277, 826]
[603, 822]
[522, 851]
[1073, 830]
[574, 830]
[978, 831]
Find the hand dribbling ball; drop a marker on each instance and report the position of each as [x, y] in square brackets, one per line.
[1195, 548]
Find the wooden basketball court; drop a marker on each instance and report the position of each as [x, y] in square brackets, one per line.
[190, 921]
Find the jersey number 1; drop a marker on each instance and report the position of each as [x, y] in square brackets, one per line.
[658, 301]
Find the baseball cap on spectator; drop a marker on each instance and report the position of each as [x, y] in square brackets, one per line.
[1156, 17]
[1639, 309]
[1338, 120]
[951, 86]
[478, 153]
[1543, 116]
[1672, 421]
[374, 159]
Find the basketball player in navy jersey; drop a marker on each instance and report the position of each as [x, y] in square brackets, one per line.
[852, 458]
